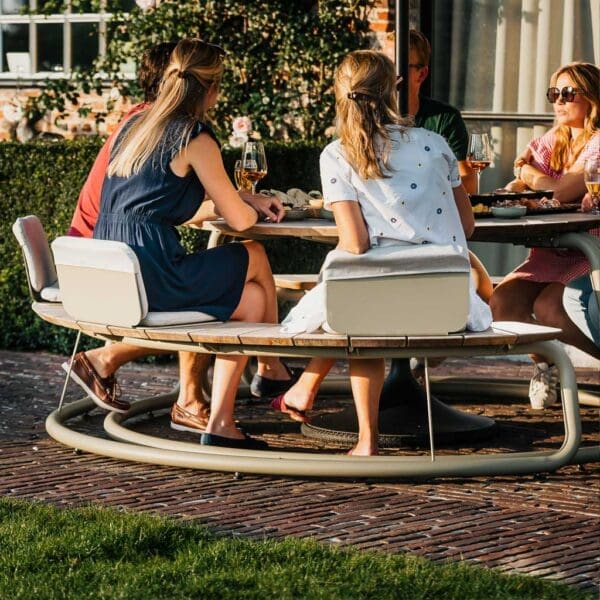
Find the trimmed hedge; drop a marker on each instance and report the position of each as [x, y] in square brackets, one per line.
[44, 179]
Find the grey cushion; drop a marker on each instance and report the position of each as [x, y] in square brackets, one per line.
[162, 319]
[40, 264]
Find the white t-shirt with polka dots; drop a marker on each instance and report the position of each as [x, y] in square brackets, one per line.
[415, 204]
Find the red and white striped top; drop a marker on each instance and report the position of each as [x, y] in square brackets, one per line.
[545, 265]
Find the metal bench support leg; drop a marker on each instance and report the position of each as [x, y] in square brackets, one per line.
[429, 414]
[589, 245]
[62, 396]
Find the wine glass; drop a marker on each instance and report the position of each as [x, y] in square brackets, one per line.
[254, 163]
[591, 174]
[241, 183]
[479, 155]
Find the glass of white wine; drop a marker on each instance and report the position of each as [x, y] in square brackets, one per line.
[254, 163]
[479, 155]
[241, 183]
[591, 174]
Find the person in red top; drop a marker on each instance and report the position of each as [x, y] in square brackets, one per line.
[191, 411]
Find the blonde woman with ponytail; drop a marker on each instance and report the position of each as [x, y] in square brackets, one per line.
[387, 183]
[165, 164]
[553, 287]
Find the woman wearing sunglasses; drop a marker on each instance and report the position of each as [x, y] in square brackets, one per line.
[534, 291]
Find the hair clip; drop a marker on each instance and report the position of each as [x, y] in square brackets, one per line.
[352, 96]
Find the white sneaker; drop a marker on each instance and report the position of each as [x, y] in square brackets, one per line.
[542, 387]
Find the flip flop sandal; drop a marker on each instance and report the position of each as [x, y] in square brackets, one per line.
[279, 405]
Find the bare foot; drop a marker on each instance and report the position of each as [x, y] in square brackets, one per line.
[299, 399]
[363, 450]
[228, 431]
[273, 370]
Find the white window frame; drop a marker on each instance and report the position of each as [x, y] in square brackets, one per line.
[66, 19]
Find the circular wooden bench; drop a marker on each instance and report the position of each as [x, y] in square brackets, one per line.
[263, 339]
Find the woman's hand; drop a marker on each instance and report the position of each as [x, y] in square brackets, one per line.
[516, 185]
[269, 206]
[523, 159]
[587, 203]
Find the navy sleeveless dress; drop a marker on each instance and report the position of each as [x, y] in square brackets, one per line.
[142, 211]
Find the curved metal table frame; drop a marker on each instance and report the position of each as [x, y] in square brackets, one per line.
[134, 446]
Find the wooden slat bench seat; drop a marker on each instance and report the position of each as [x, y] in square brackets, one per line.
[263, 339]
[302, 281]
[293, 286]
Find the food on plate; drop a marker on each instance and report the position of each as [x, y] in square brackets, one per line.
[297, 199]
[480, 208]
[530, 203]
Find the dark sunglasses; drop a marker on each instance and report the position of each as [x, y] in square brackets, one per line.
[567, 94]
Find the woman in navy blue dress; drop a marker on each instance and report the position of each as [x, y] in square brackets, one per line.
[164, 166]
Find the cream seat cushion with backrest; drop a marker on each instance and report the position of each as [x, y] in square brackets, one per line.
[397, 290]
[101, 282]
[39, 264]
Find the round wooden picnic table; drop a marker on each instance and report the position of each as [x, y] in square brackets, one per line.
[559, 230]
[403, 402]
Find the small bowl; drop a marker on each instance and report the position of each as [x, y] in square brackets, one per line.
[509, 212]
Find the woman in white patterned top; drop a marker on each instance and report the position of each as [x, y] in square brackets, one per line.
[387, 184]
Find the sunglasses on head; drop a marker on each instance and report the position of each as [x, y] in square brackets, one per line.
[567, 94]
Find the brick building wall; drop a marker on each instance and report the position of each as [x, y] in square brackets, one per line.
[73, 125]
[70, 126]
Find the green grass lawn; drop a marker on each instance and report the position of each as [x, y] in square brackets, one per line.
[47, 552]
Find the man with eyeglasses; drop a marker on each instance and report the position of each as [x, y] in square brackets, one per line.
[434, 115]
[446, 120]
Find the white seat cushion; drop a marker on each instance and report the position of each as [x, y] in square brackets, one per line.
[162, 319]
[51, 293]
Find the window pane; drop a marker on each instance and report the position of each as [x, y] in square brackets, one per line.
[85, 7]
[15, 38]
[50, 47]
[122, 5]
[12, 7]
[84, 44]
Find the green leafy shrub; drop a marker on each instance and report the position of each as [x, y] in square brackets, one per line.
[44, 179]
[281, 56]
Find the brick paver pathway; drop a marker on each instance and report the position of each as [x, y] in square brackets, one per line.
[544, 526]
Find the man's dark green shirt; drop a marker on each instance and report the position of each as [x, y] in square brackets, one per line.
[446, 120]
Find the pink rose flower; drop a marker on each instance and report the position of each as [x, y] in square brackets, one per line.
[146, 4]
[242, 125]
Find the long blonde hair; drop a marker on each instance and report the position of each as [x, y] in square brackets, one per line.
[586, 77]
[366, 102]
[195, 67]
